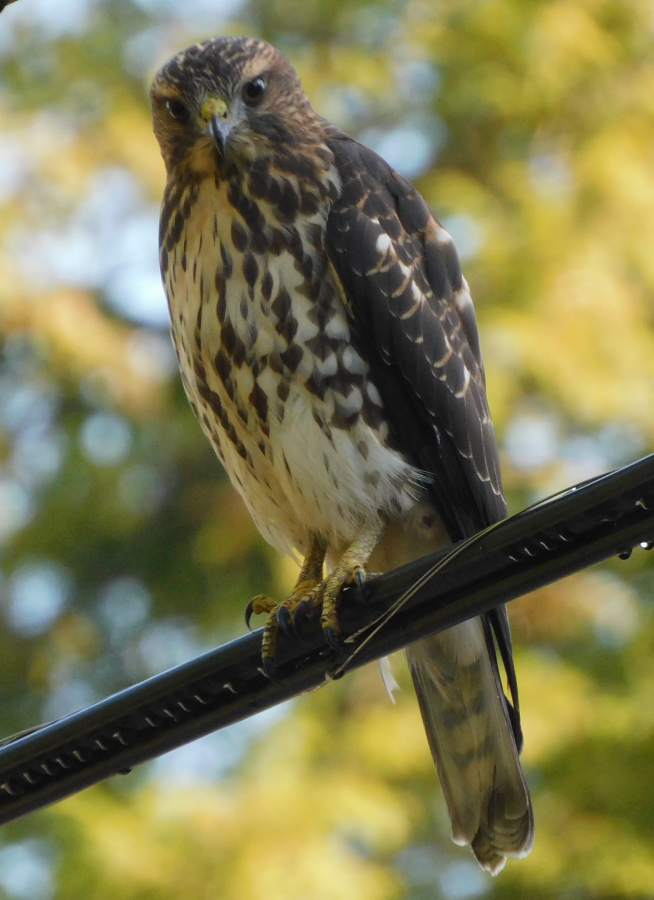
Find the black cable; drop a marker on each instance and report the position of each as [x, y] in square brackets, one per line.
[607, 516]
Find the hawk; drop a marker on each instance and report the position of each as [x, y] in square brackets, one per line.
[328, 345]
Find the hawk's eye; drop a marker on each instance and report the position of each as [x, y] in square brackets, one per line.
[178, 110]
[253, 91]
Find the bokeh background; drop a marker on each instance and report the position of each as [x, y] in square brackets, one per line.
[529, 127]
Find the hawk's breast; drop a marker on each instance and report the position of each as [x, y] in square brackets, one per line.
[263, 337]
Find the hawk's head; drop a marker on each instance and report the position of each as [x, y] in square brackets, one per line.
[227, 100]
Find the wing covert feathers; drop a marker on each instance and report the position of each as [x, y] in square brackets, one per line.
[414, 321]
[472, 743]
[413, 317]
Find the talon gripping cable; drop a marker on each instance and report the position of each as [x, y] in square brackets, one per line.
[605, 517]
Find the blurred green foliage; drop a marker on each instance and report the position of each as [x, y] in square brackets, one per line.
[528, 125]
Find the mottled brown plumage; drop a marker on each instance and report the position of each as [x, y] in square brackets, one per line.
[329, 347]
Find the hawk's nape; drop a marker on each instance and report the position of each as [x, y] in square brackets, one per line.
[328, 345]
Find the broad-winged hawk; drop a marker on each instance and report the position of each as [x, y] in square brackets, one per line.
[329, 348]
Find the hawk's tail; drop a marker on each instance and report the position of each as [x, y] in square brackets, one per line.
[472, 743]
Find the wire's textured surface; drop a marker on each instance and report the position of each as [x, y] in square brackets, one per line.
[607, 516]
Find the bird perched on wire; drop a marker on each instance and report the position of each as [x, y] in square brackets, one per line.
[328, 345]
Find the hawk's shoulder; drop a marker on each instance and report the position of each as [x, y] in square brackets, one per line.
[415, 323]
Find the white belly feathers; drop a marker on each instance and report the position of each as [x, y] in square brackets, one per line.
[263, 341]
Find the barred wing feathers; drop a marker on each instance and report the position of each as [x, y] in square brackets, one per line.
[415, 324]
[414, 313]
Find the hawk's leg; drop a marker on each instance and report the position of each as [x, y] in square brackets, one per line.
[350, 568]
[307, 588]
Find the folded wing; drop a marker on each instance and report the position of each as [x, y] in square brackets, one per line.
[413, 320]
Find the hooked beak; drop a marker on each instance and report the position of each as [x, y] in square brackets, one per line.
[219, 131]
[215, 112]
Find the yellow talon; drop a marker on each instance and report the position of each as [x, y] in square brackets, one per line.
[313, 593]
[262, 604]
[307, 589]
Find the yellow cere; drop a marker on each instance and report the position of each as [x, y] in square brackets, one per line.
[214, 106]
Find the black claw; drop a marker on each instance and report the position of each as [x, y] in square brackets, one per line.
[286, 622]
[335, 641]
[304, 612]
[269, 667]
[358, 588]
[300, 618]
[249, 611]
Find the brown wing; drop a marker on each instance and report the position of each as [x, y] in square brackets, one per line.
[415, 323]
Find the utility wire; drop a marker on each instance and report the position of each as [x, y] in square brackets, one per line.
[584, 525]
